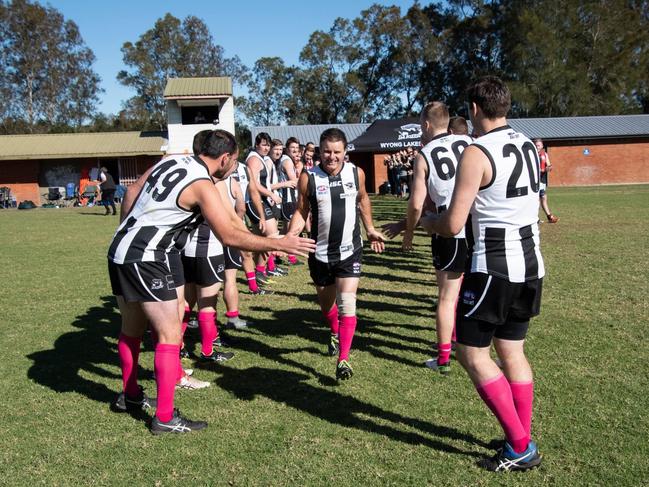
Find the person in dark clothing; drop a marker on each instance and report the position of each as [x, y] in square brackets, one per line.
[108, 187]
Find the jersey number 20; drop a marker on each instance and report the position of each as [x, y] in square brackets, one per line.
[532, 163]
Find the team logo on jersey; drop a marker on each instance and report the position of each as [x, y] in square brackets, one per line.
[156, 284]
[356, 267]
[349, 185]
[468, 298]
[410, 131]
[220, 268]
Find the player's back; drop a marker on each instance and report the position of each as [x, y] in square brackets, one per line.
[504, 214]
[442, 155]
[156, 222]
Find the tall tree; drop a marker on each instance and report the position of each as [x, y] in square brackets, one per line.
[172, 48]
[269, 91]
[577, 57]
[46, 75]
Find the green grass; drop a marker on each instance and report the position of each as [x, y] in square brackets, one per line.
[276, 415]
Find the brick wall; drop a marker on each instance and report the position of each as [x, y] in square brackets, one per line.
[581, 163]
[22, 178]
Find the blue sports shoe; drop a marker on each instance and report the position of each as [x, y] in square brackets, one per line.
[507, 459]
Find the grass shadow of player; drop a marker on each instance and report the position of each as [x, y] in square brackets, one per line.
[291, 389]
[309, 324]
[279, 355]
[88, 351]
[306, 323]
[383, 276]
[367, 307]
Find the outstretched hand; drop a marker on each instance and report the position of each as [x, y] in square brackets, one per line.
[377, 241]
[295, 245]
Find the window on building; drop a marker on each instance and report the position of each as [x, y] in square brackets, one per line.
[199, 115]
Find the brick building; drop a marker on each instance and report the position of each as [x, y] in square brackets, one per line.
[30, 164]
[584, 150]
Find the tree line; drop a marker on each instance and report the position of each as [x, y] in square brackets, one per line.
[560, 58]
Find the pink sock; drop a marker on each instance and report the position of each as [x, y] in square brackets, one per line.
[232, 314]
[271, 263]
[128, 349]
[165, 361]
[443, 353]
[523, 395]
[292, 259]
[252, 282]
[497, 394]
[332, 319]
[207, 328]
[261, 268]
[346, 334]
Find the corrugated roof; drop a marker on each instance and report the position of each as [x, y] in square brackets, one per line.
[309, 133]
[562, 128]
[62, 146]
[188, 87]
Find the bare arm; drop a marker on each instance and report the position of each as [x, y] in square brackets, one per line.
[239, 198]
[416, 202]
[298, 220]
[255, 200]
[204, 194]
[365, 207]
[474, 171]
[255, 164]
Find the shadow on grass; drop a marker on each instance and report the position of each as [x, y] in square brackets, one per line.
[308, 324]
[291, 389]
[82, 353]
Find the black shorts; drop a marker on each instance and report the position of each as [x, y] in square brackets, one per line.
[204, 271]
[287, 210]
[175, 264]
[254, 217]
[449, 254]
[325, 274]
[232, 258]
[489, 306]
[142, 281]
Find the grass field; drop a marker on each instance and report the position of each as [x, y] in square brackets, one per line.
[276, 415]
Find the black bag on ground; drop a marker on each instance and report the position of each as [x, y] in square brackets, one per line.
[26, 205]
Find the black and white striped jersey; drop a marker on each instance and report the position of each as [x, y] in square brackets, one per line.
[265, 174]
[203, 243]
[273, 179]
[442, 155]
[336, 221]
[228, 184]
[243, 176]
[289, 195]
[156, 223]
[504, 214]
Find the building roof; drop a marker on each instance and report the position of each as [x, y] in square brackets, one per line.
[198, 87]
[567, 128]
[64, 146]
[309, 133]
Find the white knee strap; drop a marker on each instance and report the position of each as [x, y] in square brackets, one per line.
[346, 304]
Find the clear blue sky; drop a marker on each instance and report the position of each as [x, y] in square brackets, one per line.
[249, 29]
